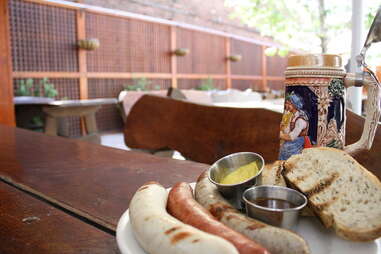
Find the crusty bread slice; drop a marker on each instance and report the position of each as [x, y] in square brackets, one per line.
[272, 174]
[341, 192]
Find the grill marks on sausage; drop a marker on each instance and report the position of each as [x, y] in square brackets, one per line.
[167, 232]
[147, 184]
[255, 226]
[202, 176]
[143, 188]
[322, 185]
[218, 210]
[179, 237]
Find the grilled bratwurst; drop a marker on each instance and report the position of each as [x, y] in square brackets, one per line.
[158, 232]
[276, 240]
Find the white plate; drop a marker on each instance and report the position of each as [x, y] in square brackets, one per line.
[320, 239]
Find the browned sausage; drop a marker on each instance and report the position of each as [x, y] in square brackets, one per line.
[184, 207]
[276, 240]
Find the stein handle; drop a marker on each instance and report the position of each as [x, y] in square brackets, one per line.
[372, 111]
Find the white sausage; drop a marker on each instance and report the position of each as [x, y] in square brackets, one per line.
[276, 240]
[160, 233]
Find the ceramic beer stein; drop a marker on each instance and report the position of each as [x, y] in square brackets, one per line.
[315, 107]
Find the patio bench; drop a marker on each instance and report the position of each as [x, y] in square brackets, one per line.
[201, 132]
[205, 133]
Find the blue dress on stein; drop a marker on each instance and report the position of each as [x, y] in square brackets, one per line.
[290, 148]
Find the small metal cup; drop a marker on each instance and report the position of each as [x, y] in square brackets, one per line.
[285, 218]
[229, 163]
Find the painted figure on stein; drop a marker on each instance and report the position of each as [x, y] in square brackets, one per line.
[294, 127]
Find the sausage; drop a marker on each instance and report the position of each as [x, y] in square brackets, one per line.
[184, 207]
[160, 233]
[276, 240]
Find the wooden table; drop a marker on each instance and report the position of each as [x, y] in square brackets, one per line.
[83, 187]
[54, 110]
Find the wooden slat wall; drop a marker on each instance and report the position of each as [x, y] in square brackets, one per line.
[7, 115]
[45, 34]
[207, 52]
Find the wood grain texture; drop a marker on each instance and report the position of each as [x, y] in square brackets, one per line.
[369, 159]
[228, 68]
[206, 133]
[93, 181]
[7, 111]
[31, 226]
[201, 133]
[264, 68]
[173, 38]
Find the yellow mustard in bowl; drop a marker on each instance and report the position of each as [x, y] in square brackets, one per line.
[241, 174]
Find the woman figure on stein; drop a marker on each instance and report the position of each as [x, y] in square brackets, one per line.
[294, 128]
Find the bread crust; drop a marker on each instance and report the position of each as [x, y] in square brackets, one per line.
[330, 218]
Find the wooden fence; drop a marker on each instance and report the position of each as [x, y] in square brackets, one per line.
[44, 36]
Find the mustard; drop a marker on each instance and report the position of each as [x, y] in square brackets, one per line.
[241, 174]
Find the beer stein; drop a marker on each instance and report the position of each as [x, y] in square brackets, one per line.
[315, 107]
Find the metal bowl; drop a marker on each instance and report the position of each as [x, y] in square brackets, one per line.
[276, 211]
[226, 165]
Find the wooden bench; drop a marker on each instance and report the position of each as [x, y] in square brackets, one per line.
[201, 132]
[205, 133]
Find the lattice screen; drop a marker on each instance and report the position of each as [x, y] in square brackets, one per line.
[246, 84]
[43, 37]
[108, 117]
[276, 65]
[193, 83]
[275, 85]
[128, 45]
[206, 52]
[251, 62]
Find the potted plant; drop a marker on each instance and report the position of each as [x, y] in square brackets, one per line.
[89, 44]
[181, 52]
[235, 58]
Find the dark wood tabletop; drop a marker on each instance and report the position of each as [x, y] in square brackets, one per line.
[29, 225]
[93, 181]
[62, 195]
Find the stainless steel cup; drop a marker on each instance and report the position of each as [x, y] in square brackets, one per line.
[229, 163]
[285, 218]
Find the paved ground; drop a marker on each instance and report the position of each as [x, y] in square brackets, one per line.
[115, 139]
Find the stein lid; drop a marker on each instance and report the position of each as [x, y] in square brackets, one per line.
[315, 60]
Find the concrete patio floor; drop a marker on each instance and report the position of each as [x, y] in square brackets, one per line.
[115, 139]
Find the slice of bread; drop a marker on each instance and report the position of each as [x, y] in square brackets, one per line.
[272, 174]
[342, 193]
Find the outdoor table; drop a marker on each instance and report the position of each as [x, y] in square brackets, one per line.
[54, 109]
[88, 186]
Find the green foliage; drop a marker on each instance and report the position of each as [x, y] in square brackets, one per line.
[37, 121]
[298, 23]
[28, 88]
[273, 51]
[49, 90]
[25, 88]
[206, 85]
[140, 84]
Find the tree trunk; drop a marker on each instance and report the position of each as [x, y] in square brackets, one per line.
[323, 29]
